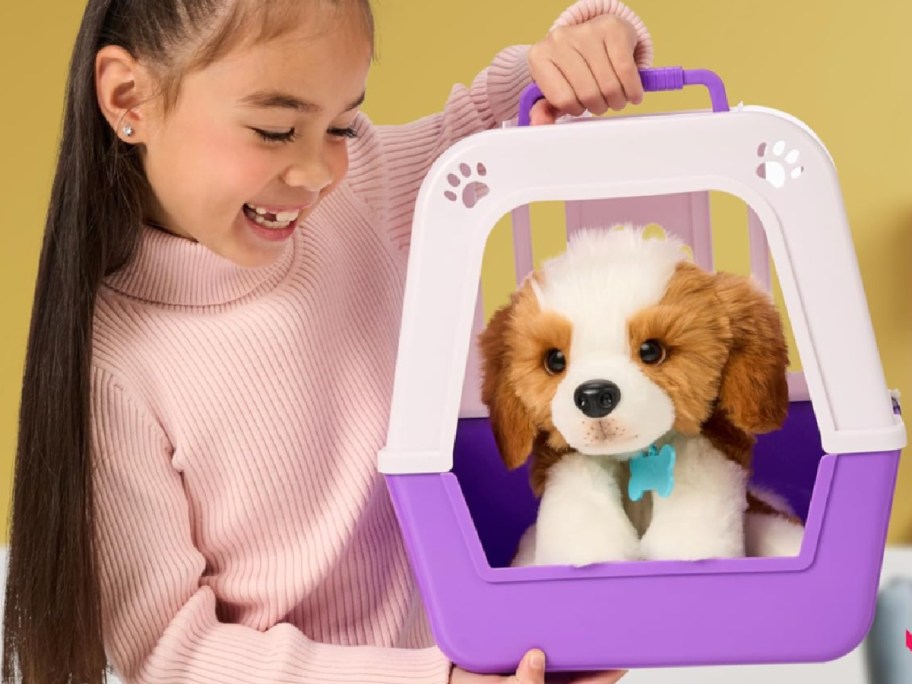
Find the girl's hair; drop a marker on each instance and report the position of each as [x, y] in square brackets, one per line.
[52, 617]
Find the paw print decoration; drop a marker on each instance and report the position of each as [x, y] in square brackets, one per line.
[778, 166]
[468, 186]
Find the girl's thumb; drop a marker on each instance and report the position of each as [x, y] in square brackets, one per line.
[531, 668]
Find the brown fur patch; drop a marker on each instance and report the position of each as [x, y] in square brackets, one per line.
[754, 392]
[726, 358]
[695, 334]
[736, 444]
[516, 387]
[753, 395]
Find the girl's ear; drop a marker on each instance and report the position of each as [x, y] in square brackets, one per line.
[754, 390]
[513, 429]
[122, 87]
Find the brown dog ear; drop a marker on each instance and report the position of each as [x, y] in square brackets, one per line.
[754, 389]
[510, 421]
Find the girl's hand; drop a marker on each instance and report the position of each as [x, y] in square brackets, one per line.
[531, 670]
[588, 66]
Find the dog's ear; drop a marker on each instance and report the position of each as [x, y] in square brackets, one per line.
[510, 421]
[754, 388]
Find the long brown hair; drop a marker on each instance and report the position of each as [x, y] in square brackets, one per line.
[52, 618]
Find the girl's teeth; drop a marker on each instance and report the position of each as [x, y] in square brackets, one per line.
[281, 217]
[271, 221]
[270, 224]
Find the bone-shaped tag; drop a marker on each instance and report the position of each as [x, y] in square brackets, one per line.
[652, 470]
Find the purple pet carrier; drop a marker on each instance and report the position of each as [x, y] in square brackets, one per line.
[835, 460]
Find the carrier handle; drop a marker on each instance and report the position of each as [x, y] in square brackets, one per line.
[654, 80]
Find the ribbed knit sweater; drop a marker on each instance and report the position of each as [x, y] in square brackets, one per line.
[245, 534]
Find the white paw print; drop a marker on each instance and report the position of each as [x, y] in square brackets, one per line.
[778, 169]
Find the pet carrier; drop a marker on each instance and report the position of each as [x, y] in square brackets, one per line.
[835, 459]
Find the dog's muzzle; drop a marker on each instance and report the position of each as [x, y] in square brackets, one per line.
[597, 398]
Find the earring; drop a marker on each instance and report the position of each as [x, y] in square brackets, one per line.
[128, 130]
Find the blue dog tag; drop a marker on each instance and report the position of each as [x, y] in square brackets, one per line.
[652, 470]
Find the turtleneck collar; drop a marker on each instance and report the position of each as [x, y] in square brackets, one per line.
[168, 269]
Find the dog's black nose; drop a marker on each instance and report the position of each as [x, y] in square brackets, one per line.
[597, 398]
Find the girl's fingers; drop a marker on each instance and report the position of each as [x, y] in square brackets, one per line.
[588, 71]
[625, 70]
[611, 93]
[531, 668]
[586, 67]
[542, 113]
[555, 83]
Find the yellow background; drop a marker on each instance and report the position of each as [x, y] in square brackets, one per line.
[839, 65]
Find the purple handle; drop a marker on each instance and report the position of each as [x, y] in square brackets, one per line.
[662, 78]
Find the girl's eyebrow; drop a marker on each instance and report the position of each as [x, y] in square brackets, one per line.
[277, 99]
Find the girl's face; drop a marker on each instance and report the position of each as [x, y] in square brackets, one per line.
[258, 138]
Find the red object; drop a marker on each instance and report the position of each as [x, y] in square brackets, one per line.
[909, 640]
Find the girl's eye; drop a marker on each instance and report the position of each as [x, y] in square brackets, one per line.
[272, 137]
[344, 132]
[555, 361]
[652, 352]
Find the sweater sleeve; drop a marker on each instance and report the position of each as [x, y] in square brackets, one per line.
[388, 163]
[160, 620]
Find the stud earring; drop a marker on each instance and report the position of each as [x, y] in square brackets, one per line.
[128, 130]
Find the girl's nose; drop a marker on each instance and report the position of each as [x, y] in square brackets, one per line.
[312, 174]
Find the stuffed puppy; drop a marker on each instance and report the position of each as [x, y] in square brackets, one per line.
[637, 382]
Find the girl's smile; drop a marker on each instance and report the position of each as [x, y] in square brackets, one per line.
[274, 223]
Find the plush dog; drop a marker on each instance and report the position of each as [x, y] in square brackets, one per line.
[637, 382]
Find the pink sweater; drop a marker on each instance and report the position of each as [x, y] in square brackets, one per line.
[245, 534]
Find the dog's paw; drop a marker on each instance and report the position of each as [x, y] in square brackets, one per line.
[525, 551]
[627, 550]
[581, 518]
[657, 545]
[772, 535]
[620, 545]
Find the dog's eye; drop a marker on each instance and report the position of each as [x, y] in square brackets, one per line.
[652, 352]
[555, 361]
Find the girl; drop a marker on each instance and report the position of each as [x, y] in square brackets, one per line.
[213, 337]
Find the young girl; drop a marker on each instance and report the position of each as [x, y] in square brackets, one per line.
[213, 339]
